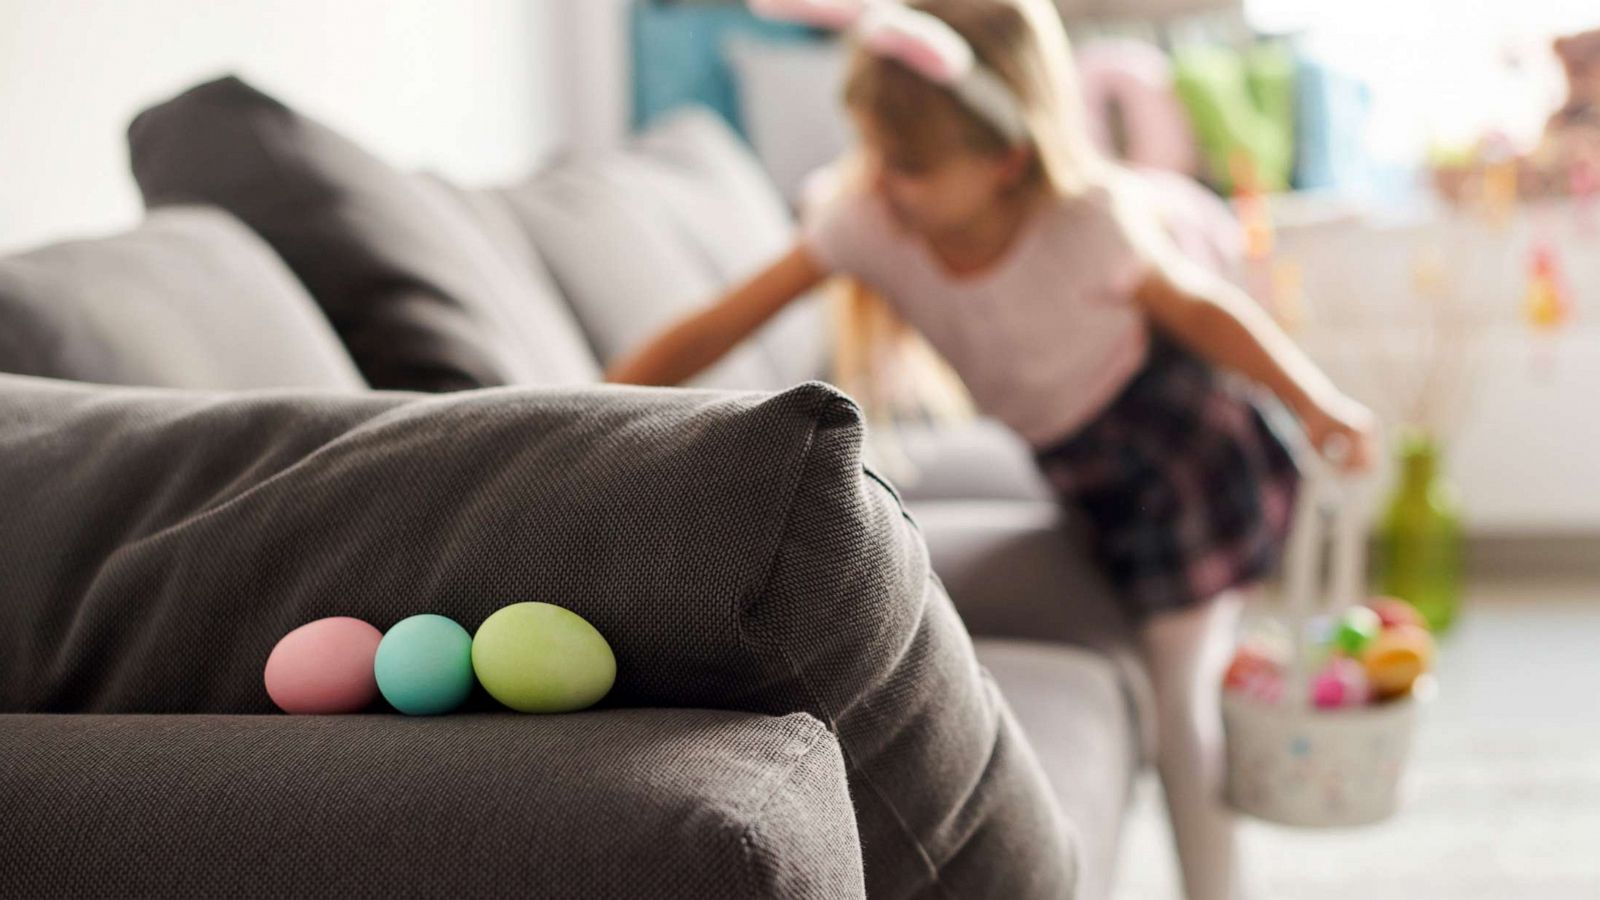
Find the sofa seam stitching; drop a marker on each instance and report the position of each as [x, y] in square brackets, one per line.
[806, 683]
[797, 765]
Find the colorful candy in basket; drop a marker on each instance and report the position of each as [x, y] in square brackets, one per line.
[1320, 704]
[1374, 653]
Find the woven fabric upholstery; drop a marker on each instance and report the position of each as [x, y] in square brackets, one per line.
[465, 806]
[977, 460]
[623, 268]
[1073, 706]
[642, 234]
[417, 292]
[1018, 570]
[729, 545]
[704, 179]
[189, 298]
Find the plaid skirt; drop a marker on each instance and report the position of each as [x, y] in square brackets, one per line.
[1187, 487]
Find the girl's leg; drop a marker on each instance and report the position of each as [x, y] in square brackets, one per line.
[1187, 651]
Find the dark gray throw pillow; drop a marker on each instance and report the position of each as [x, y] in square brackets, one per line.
[729, 545]
[417, 292]
[189, 298]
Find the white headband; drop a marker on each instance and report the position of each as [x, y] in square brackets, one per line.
[922, 42]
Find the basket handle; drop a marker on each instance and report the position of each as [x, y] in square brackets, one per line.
[1325, 493]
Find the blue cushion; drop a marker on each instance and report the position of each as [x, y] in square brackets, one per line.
[1331, 109]
[678, 58]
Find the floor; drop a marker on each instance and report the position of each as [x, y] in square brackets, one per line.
[1503, 798]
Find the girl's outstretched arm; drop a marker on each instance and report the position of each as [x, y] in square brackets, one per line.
[1221, 323]
[701, 338]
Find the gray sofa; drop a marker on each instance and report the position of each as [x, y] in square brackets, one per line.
[195, 461]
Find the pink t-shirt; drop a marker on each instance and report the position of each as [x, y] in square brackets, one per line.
[1043, 339]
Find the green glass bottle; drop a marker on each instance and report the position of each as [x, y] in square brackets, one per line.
[1420, 540]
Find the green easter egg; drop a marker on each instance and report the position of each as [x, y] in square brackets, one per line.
[424, 665]
[1356, 629]
[535, 657]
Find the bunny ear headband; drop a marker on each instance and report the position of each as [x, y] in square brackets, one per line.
[922, 42]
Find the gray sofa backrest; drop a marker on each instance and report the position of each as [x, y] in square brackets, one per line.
[190, 298]
[418, 293]
[423, 280]
[642, 234]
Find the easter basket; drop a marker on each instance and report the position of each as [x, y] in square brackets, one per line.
[1291, 759]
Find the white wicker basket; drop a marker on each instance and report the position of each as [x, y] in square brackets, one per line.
[1289, 762]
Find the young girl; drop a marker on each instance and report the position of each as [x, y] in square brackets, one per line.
[981, 214]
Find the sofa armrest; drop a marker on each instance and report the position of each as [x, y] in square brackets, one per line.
[1021, 570]
[624, 803]
[728, 545]
[1073, 706]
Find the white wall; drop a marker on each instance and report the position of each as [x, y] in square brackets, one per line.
[475, 88]
[1523, 450]
[592, 69]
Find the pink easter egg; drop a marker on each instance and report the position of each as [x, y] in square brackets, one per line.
[1341, 683]
[1255, 673]
[324, 667]
[1396, 613]
[1248, 664]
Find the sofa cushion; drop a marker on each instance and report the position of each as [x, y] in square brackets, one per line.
[626, 276]
[640, 235]
[729, 546]
[708, 183]
[977, 460]
[411, 285]
[540, 315]
[493, 216]
[1023, 571]
[463, 806]
[712, 191]
[190, 298]
[1072, 705]
[1067, 658]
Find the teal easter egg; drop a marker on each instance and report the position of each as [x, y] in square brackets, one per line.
[535, 657]
[1356, 629]
[424, 665]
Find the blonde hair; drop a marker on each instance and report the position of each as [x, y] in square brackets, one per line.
[877, 357]
[1025, 44]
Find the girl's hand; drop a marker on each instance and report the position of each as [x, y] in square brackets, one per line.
[1343, 420]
